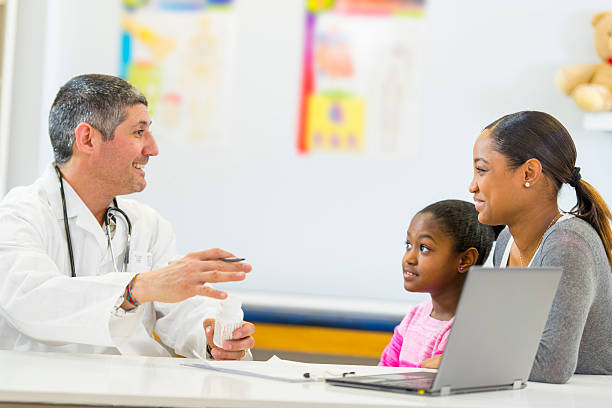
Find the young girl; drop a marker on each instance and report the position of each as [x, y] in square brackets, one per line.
[444, 240]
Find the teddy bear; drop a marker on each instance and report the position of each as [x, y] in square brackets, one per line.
[591, 85]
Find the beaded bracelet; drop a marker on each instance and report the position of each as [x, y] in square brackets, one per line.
[128, 293]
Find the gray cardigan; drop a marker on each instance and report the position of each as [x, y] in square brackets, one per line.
[578, 333]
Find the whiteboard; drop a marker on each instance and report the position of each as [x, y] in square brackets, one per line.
[334, 225]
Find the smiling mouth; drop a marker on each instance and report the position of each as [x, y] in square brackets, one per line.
[478, 203]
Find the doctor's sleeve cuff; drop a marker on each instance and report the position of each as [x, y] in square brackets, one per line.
[123, 323]
[195, 344]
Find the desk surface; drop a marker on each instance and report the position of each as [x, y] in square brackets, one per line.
[155, 381]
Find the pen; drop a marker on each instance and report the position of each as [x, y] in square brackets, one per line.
[231, 259]
[319, 376]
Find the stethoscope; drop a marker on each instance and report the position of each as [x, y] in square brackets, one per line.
[108, 217]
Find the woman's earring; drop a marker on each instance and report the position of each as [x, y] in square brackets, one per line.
[527, 184]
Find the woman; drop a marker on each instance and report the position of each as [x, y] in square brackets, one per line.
[520, 163]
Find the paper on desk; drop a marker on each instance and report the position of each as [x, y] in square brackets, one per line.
[283, 370]
[273, 369]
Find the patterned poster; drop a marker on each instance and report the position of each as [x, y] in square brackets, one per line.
[178, 53]
[361, 76]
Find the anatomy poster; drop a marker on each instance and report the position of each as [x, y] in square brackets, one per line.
[179, 54]
[360, 76]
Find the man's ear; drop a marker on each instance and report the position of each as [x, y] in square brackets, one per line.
[467, 259]
[531, 171]
[84, 138]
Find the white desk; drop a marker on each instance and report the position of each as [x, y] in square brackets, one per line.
[146, 381]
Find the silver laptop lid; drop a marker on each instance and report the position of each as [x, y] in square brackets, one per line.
[498, 325]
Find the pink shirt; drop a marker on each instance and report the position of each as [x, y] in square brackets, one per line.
[417, 338]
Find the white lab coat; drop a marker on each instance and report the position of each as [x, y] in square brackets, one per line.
[42, 308]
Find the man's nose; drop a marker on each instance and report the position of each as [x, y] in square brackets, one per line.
[151, 148]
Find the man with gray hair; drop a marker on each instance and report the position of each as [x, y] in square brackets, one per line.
[83, 270]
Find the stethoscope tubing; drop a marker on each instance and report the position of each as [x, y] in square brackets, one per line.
[66, 226]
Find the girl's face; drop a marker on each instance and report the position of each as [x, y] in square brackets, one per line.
[497, 189]
[430, 263]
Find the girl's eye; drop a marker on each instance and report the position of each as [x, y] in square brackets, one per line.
[424, 248]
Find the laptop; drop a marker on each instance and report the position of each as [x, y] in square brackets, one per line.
[492, 345]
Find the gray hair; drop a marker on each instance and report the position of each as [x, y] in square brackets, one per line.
[99, 100]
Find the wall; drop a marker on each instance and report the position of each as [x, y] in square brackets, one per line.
[21, 101]
[326, 225]
[7, 37]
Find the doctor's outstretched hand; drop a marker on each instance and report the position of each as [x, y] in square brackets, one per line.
[188, 277]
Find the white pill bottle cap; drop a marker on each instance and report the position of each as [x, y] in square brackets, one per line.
[230, 309]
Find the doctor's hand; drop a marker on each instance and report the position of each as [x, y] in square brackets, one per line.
[188, 277]
[235, 349]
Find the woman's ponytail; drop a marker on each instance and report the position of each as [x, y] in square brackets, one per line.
[591, 207]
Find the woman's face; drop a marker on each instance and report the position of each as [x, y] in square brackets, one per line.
[498, 190]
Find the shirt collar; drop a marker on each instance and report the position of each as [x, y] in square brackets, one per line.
[74, 205]
[51, 185]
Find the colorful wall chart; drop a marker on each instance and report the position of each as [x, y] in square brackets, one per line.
[361, 76]
[179, 54]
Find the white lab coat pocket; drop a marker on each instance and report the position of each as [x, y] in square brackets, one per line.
[140, 262]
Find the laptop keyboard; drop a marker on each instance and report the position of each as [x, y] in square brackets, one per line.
[412, 380]
[417, 380]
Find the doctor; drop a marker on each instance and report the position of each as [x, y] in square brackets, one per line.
[84, 270]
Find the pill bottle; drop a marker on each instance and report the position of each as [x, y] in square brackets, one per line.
[229, 318]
